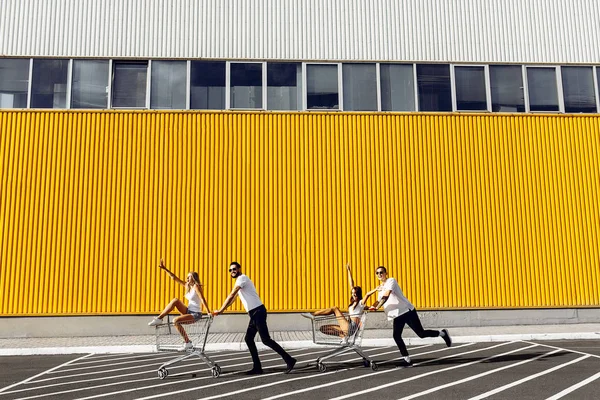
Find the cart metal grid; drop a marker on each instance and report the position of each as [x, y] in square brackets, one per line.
[346, 343]
[169, 339]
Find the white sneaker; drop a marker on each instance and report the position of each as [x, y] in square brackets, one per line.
[308, 315]
[155, 321]
[188, 346]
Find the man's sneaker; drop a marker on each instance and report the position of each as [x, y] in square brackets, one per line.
[155, 321]
[308, 315]
[188, 346]
[290, 366]
[406, 362]
[254, 371]
[446, 336]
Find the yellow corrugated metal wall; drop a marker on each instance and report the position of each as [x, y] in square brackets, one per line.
[465, 210]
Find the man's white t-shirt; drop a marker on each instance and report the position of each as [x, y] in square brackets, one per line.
[396, 303]
[248, 293]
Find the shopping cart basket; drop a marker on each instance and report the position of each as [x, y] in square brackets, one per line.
[349, 342]
[168, 338]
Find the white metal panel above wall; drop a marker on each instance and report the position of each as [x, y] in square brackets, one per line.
[521, 31]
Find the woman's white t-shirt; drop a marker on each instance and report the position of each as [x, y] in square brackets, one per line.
[356, 311]
[396, 303]
[248, 293]
[193, 301]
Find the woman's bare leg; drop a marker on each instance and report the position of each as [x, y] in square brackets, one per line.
[341, 320]
[174, 304]
[332, 330]
[185, 319]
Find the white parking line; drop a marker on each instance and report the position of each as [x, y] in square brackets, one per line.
[153, 371]
[574, 387]
[170, 394]
[564, 349]
[340, 381]
[129, 357]
[275, 358]
[252, 388]
[528, 378]
[220, 395]
[163, 356]
[412, 378]
[40, 374]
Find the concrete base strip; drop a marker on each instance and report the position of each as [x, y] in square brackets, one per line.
[297, 344]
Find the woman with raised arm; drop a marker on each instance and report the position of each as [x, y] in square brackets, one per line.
[190, 313]
[346, 326]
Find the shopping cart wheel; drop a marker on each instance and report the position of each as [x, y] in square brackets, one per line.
[374, 366]
[163, 373]
[322, 367]
[216, 371]
[366, 363]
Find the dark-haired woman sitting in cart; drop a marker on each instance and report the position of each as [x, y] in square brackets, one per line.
[346, 326]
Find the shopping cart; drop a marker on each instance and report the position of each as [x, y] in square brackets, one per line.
[349, 342]
[169, 339]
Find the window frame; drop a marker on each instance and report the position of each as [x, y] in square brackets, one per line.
[377, 83]
[112, 79]
[415, 88]
[596, 71]
[559, 91]
[487, 86]
[340, 89]
[228, 84]
[108, 82]
[300, 83]
[67, 82]
[452, 91]
[187, 93]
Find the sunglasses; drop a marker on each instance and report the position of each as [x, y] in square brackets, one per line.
[232, 269]
[379, 272]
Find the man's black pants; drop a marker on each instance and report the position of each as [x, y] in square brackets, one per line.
[411, 319]
[258, 323]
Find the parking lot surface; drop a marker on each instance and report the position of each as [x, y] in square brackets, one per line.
[504, 370]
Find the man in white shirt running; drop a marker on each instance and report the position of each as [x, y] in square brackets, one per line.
[402, 312]
[258, 319]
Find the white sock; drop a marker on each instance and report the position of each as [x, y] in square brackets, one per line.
[407, 359]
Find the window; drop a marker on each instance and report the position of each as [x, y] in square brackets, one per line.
[434, 87]
[598, 83]
[506, 82]
[168, 85]
[322, 87]
[90, 84]
[246, 85]
[543, 93]
[207, 85]
[360, 87]
[49, 83]
[470, 88]
[397, 87]
[14, 83]
[129, 84]
[578, 89]
[284, 86]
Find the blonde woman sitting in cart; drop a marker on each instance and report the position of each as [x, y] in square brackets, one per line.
[190, 313]
[345, 326]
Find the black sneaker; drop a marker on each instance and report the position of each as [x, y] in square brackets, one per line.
[446, 337]
[254, 371]
[290, 366]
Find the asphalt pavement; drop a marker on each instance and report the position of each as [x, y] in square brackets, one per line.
[520, 369]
